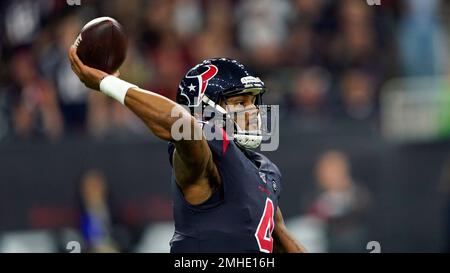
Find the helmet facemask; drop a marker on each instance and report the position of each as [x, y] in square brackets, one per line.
[243, 123]
[247, 123]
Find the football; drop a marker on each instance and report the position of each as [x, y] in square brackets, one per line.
[102, 44]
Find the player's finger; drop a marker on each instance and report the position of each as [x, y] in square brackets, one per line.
[76, 60]
[72, 61]
[75, 69]
[73, 65]
[69, 56]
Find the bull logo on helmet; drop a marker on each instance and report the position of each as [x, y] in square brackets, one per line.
[193, 87]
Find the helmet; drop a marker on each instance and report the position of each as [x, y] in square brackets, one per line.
[214, 80]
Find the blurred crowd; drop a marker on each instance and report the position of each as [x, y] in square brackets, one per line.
[321, 59]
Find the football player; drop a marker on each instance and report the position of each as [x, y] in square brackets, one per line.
[225, 195]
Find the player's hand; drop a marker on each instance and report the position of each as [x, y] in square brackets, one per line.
[91, 77]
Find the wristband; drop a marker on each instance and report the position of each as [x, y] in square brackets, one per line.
[115, 88]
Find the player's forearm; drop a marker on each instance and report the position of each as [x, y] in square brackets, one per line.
[153, 109]
[287, 242]
[156, 111]
[284, 240]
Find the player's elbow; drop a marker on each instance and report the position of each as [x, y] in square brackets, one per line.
[162, 133]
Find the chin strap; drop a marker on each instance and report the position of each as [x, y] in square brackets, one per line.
[248, 141]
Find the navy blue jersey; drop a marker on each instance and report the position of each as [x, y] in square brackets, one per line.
[240, 215]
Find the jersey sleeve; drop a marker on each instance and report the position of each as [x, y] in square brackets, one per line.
[218, 141]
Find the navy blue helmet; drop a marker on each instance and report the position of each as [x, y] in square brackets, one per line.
[215, 79]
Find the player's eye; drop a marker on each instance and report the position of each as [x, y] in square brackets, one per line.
[237, 103]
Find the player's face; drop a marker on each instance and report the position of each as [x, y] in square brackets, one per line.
[244, 111]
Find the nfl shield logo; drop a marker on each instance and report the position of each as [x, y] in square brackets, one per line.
[274, 185]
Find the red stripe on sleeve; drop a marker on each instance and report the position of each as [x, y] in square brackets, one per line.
[226, 142]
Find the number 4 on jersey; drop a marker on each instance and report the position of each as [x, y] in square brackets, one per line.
[265, 227]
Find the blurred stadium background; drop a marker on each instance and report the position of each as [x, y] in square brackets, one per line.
[364, 95]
